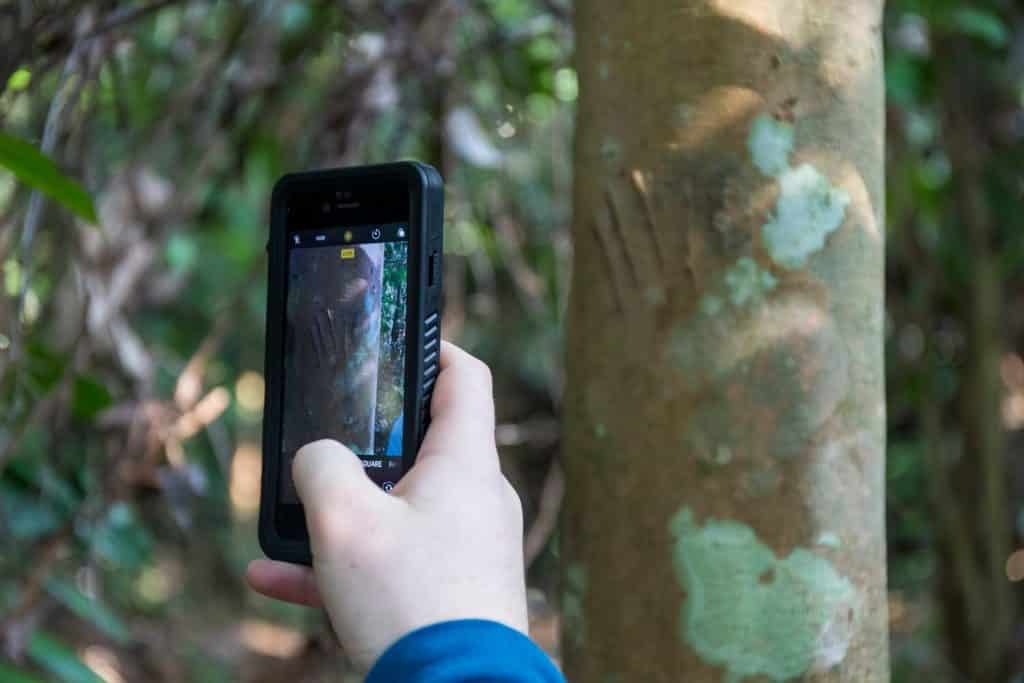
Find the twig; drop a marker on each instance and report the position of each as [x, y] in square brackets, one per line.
[116, 19]
[548, 509]
[33, 215]
[127, 15]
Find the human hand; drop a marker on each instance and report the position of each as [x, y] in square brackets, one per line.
[445, 544]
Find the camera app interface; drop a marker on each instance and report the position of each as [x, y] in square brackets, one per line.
[344, 365]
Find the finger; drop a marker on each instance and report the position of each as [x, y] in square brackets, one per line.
[282, 581]
[464, 385]
[462, 410]
[334, 489]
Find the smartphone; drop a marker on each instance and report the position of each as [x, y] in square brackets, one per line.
[353, 328]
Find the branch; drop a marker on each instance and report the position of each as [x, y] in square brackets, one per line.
[548, 510]
[127, 15]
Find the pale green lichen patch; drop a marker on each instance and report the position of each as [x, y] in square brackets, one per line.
[828, 539]
[744, 283]
[573, 594]
[770, 144]
[747, 283]
[735, 358]
[711, 304]
[755, 614]
[808, 210]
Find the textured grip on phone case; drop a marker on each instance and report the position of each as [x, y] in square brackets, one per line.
[431, 364]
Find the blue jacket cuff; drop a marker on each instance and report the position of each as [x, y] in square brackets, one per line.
[463, 651]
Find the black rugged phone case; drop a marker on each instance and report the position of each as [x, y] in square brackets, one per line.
[423, 338]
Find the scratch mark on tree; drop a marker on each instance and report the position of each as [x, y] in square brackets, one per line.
[690, 236]
[601, 232]
[615, 221]
[642, 190]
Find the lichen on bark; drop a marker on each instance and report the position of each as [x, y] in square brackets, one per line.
[755, 614]
[809, 208]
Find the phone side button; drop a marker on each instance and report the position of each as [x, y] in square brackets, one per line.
[431, 319]
[430, 371]
[430, 331]
[430, 344]
[431, 357]
[434, 271]
[428, 385]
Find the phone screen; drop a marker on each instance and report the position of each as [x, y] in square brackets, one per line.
[345, 344]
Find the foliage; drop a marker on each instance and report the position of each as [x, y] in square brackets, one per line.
[392, 333]
[34, 168]
[131, 355]
[131, 373]
[955, 152]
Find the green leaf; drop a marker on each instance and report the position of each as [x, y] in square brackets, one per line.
[45, 367]
[89, 609]
[182, 252]
[903, 80]
[27, 517]
[8, 674]
[19, 80]
[59, 659]
[37, 170]
[89, 398]
[981, 24]
[121, 540]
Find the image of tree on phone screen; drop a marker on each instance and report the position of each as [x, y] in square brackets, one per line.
[390, 396]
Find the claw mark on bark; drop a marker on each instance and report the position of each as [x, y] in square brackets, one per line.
[616, 224]
[318, 341]
[690, 235]
[640, 185]
[601, 230]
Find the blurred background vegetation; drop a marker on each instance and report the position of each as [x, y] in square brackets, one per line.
[139, 143]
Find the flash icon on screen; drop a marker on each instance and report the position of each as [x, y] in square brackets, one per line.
[348, 235]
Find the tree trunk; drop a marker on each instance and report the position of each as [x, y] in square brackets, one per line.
[725, 414]
[981, 643]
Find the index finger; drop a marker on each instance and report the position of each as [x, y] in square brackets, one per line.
[462, 409]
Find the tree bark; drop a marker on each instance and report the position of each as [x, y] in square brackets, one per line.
[725, 410]
[982, 643]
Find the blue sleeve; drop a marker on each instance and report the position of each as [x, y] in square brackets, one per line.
[464, 651]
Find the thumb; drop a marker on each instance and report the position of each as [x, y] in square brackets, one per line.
[334, 490]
